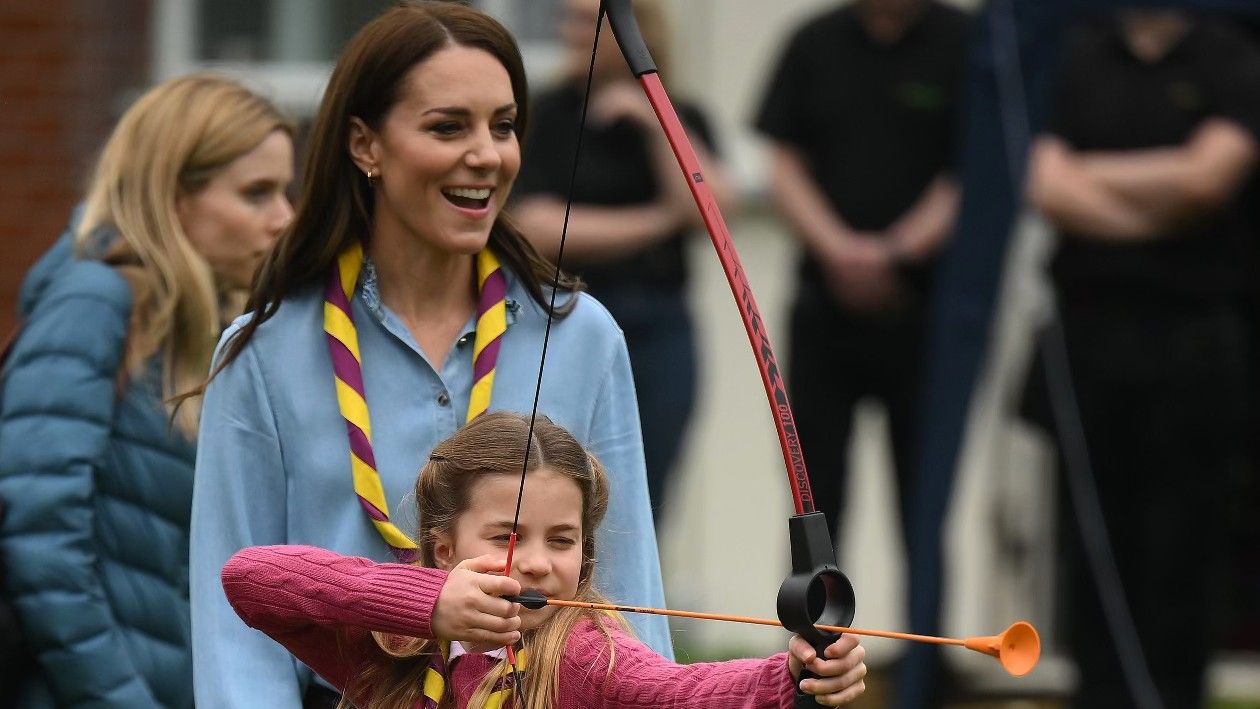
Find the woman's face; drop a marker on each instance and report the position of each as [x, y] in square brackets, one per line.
[447, 152]
[236, 217]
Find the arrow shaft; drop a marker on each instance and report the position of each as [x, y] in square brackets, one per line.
[753, 621]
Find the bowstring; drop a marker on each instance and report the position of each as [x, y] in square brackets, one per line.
[551, 309]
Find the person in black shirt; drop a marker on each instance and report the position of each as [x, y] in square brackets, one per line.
[1155, 128]
[632, 211]
[861, 117]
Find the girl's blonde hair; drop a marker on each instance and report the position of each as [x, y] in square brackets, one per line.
[172, 142]
[493, 444]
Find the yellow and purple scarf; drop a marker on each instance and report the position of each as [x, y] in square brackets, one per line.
[343, 346]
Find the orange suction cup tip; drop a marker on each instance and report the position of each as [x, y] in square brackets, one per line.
[1018, 647]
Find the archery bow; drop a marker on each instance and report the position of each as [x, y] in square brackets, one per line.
[816, 592]
[816, 601]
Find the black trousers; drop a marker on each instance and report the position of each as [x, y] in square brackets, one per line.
[838, 359]
[1162, 399]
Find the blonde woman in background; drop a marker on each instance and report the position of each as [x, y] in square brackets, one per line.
[122, 314]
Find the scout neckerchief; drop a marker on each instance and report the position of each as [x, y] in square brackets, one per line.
[435, 681]
[343, 346]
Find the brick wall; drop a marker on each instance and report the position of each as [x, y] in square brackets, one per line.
[67, 70]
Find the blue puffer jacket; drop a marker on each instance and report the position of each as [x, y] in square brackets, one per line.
[99, 488]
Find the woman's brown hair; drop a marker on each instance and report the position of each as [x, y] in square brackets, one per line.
[335, 207]
[492, 444]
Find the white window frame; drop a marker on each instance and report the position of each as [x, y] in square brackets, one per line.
[297, 87]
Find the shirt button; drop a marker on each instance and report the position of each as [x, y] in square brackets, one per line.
[444, 399]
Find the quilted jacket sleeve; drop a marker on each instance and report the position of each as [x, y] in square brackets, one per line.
[59, 393]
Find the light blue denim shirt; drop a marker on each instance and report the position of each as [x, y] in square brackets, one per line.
[273, 461]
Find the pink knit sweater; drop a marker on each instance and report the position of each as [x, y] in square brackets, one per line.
[323, 606]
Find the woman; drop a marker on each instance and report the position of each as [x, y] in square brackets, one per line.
[631, 215]
[187, 195]
[363, 348]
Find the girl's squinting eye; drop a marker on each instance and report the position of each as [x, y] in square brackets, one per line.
[505, 126]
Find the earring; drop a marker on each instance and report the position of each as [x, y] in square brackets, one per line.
[371, 175]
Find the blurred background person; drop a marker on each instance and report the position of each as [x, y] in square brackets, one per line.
[632, 213]
[1154, 130]
[861, 117]
[1242, 626]
[121, 314]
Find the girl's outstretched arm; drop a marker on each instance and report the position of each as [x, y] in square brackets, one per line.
[639, 678]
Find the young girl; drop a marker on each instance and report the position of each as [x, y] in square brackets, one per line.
[393, 635]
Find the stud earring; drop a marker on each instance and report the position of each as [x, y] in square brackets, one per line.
[371, 176]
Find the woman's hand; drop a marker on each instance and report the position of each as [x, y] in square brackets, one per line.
[470, 606]
[840, 671]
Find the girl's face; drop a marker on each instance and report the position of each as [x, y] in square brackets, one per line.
[236, 217]
[548, 556]
[446, 153]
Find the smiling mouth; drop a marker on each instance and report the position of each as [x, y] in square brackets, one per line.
[468, 197]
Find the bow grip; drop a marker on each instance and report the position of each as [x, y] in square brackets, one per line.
[626, 29]
[816, 592]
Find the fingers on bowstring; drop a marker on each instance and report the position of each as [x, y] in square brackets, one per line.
[484, 564]
[497, 608]
[493, 623]
[499, 586]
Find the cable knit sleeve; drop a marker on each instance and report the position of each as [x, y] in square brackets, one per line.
[642, 678]
[322, 605]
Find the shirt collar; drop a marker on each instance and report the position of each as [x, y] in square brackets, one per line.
[369, 291]
[457, 649]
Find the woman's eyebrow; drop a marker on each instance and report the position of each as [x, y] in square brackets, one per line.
[464, 112]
